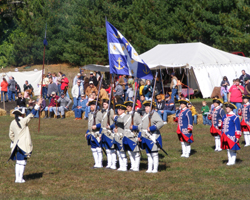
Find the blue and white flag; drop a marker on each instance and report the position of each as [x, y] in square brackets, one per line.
[123, 59]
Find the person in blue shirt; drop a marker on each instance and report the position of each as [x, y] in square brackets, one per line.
[169, 108]
[81, 106]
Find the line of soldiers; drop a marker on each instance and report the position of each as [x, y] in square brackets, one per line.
[130, 133]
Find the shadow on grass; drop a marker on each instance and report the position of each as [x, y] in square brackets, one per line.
[243, 142]
[213, 147]
[162, 166]
[238, 161]
[33, 176]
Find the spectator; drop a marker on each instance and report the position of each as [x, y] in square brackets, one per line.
[130, 92]
[119, 89]
[76, 79]
[91, 88]
[12, 88]
[42, 106]
[98, 76]
[85, 84]
[103, 94]
[77, 91]
[194, 113]
[54, 78]
[80, 107]
[148, 90]
[141, 110]
[65, 85]
[53, 103]
[20, 102]
[30, 106]
[52, 87]
[244, 75]
[59, 83]
[169, 108]
[49, 75]
[64, 106]
[18, 89]
[158, 86]
[160, 104]
[91, 97]
[224, 88]
[124, 83]
[235, 95]
[28, 89]
[45, 86]
[93, 79]
[246, 90]
[4, 90]
[205, 112]
[174, 87]
[142, 83]
[138, 103]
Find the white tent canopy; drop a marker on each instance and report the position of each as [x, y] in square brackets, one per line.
[207, 65]
[33, 77]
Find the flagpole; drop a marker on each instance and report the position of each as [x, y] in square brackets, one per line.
[44, 44]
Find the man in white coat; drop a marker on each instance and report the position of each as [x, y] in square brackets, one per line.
[21, 144]
[77, 91]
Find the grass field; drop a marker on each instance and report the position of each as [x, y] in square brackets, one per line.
[60, 168]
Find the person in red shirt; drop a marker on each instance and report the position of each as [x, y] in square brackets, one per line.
[53, 103]
[65, 85]
[235, 95]
[4, 89]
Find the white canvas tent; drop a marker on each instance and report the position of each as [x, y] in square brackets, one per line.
[94, 67]
[33, 77]
[206, 64]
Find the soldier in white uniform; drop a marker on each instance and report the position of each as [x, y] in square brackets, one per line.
[130, 141]
[150, 135]
[107, 137]
[92, 135]
[119, 133]
[21, 144]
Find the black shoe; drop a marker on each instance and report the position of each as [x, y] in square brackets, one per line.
[51, 115]
[46, 114]
[63, 116]
[58, 116]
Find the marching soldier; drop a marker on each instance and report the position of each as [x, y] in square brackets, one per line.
[107, 136]
[216, 116]
[150, 136]
[92, 134]
[119, 130]
[245, 123]
[21, 144]
[130, 141]
[184, 128]
[231, 133]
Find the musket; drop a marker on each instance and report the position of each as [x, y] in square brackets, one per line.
[95, 111]
[110, 99]
[151, 112]
[133, 111]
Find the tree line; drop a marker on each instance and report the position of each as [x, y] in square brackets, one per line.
[76, 31]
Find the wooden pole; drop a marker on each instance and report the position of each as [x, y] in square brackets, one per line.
[41, 89]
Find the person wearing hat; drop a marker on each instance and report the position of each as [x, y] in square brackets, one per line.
[76, 79]
[65, 84]
[174, 87]
[231, 133]
[77, 91]
[149, 135]
[119, 134]
[185, 128]
[130, 141]
[245, 122]
[53, 103]
[91, 88]
[92, 135]
[93, 79]
[80, 107]
[216, 116]
[107, 136]
[64, 103]
[21, 144]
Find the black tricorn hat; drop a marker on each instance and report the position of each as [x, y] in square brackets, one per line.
[121, 106]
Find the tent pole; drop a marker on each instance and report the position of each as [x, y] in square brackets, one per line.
[188, 84]
[162, 83]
